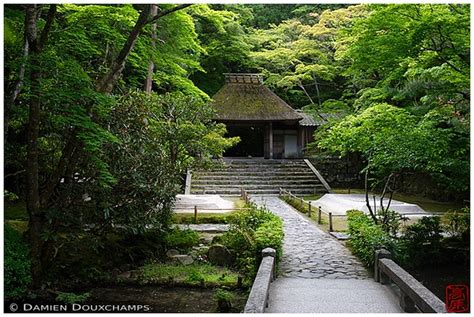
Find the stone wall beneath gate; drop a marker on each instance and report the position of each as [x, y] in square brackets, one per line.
[340, 172]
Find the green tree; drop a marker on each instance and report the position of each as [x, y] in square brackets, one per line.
[67, 82]
[298, 56]
[394, 141]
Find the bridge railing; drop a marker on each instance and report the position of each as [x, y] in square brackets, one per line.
[258, 297]
[414, 296]
[322, 216]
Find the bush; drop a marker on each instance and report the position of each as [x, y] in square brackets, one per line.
[72, 298]
[270, 235]
[366, 237]
[250, 232]
[202, 218]
[191, 275]
[421, 242]
[458, 224]
[224, 300]
[17, 264]
[181, 239]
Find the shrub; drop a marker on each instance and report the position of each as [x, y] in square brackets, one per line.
[202, 218]
[270, 235]
[17, 264]
[181, 239]
[366, 237]
[421, 241]
[224, 300]
[71, 298]
[192, 274]
[458, 223]
[250, 232]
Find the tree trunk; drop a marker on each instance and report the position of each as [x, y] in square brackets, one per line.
[151, 65]
[32, 182]
[306, 93]
[316, 84]
[35, 212]
[106, 84]
[16, 91]
[367, 202]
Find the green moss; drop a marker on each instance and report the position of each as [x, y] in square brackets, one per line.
[251, 102]
[193, 274]
[202, 218]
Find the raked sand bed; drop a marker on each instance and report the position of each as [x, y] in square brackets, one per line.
[338, 204]
[204, 203]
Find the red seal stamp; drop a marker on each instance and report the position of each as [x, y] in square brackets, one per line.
[457, 298]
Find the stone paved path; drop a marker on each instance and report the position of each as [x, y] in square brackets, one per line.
[316, 266]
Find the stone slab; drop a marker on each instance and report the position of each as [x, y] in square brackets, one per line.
[340, 235]
[296, 295]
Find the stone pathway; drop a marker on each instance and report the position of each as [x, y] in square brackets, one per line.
[316, 266]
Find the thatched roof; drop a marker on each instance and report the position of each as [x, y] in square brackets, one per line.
[244, 98]
[315, 119]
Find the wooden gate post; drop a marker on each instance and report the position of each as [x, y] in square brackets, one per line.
[330, 222]
[319, 214]
[309, 210]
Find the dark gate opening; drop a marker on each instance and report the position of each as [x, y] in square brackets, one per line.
[251, 141]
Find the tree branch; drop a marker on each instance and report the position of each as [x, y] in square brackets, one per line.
[106, 84]
[166, 12]
[374, 218]
[47, 27]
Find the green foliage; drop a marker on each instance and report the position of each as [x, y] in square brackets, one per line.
[17, 277]
[9, 196]
[298, 55]
[181, 239]
[251, 231]
[224, 42]
[457, 223]
[223, 295]
[270, 235]
[72, 298]
[15, 210]
[224, 300]
[158, 138]
[422, 242]
[390, 220]
[193, 274]
[366, 237]
[393, 141]
[185, 218]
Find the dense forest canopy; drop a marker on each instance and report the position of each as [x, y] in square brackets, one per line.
[112, 101]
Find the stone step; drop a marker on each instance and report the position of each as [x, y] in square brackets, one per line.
[256, 176]
[254, 161]
[252, 177]
[252, 187]
[275, 166]
[237, 192]
[260, 181]
[254, 173]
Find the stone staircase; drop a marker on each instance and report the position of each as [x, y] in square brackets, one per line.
[257, 176]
